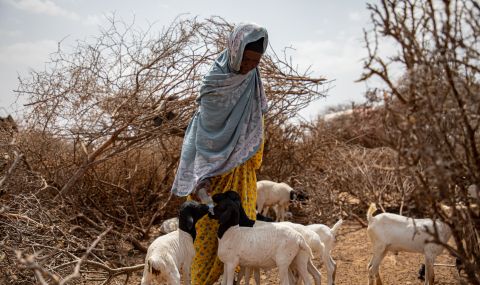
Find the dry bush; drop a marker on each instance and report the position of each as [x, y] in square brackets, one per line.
[341, 177]
[102, 138]
[51, 239]
[432, 110]
[356, 124]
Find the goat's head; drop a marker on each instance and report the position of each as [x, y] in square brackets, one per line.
[190, 212]
[226, 210]
[244, 220]
[296, 195]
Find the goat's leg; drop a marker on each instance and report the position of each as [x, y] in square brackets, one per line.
[317, 276]
[279, 213]
[331, 268]
[429, 274]
[248, 272]
[224, 275]
[147, 275]
[256, 274]
[265, 211]
[186, 273]
[240, 275]
[303, 275]
[173, 277]
[291, 277]
[229, 272]
[334, 264]
[301, 263]
[283, 274]
[374, 266]
[260, 206]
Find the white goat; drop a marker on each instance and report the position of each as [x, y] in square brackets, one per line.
[166, 256]
[391, 232]
[327, 236]
[174, 251]
[265, 247]
[313, 241]
[273, 194]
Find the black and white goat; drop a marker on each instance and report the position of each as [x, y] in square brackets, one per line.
[263, 247]
[276, 195]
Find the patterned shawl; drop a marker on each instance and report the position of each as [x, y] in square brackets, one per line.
[227, 128]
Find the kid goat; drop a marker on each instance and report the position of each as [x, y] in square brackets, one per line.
[169, 253]
[264, 247]
[391, 232]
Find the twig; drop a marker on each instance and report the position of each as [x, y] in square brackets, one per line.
[114, 218]
[22, 217]
[131, 239]
[444, 265]
[76, 272]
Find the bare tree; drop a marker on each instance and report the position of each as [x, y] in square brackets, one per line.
[104, 95]
[103, 131]
[432, 110]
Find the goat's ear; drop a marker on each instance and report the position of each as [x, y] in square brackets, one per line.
[293, 195]
[302, 196]
[226, 215]
[234, 196]
[190, 223]
[204, 209]
[218, 197]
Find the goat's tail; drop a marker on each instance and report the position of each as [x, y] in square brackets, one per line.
[335, 227]
[370, 212]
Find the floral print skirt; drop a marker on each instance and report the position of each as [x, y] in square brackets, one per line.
[206, 267]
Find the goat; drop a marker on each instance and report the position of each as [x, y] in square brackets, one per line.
[167, 254]
[265, 247]
[391, 232]
[278, 195]
[313, 241]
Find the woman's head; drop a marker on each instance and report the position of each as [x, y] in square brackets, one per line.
[251, 56]
[246, 45]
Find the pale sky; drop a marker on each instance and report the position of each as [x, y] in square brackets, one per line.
[326, 35]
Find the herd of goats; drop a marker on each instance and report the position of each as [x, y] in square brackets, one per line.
[263, 244]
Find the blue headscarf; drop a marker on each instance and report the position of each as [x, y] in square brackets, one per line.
[227, 128]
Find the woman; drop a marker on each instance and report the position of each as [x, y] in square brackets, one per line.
[223, 143]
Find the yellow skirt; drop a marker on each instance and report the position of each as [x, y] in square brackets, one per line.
[207, 268]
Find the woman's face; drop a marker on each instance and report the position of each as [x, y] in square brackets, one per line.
[250, 60]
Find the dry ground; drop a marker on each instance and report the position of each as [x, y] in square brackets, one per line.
[352, 254]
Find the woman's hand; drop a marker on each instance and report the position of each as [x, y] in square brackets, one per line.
[201, 194]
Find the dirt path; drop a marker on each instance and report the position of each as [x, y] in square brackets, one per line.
[353, 253]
